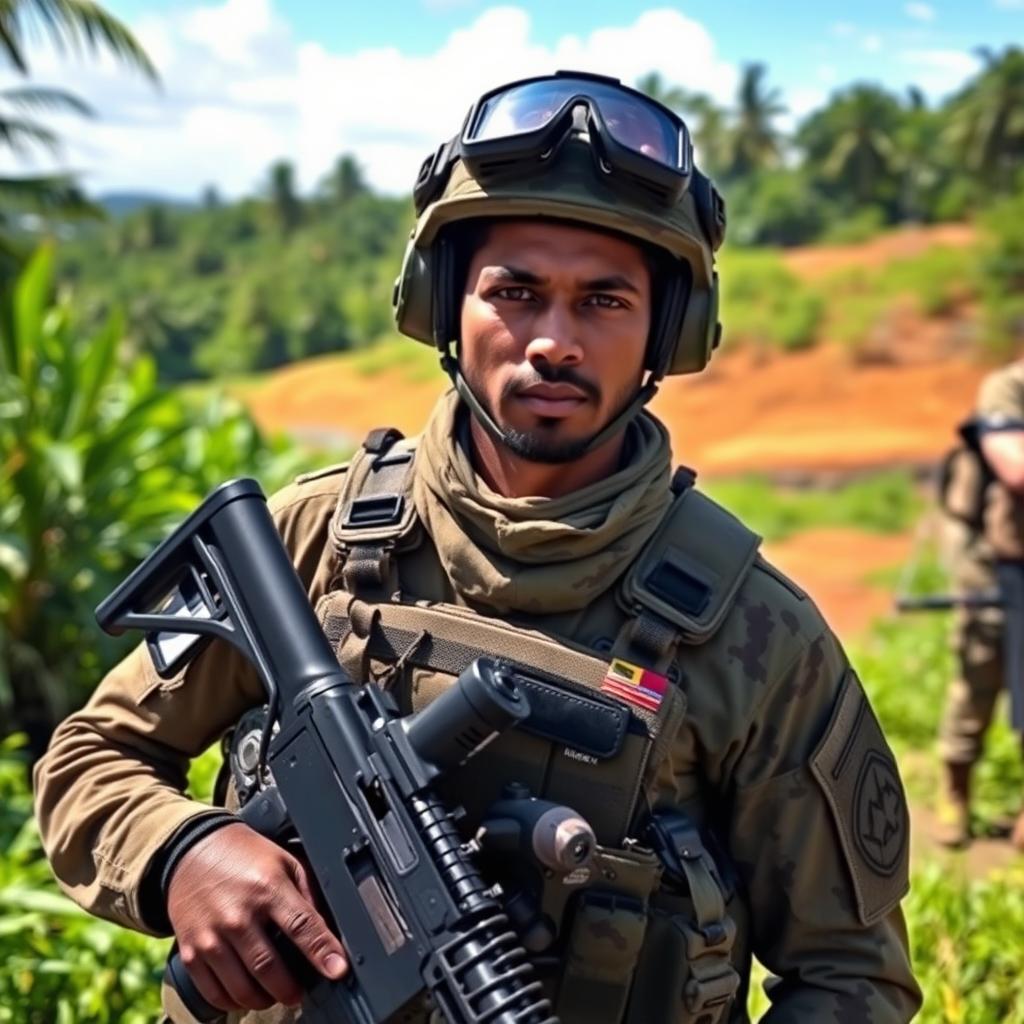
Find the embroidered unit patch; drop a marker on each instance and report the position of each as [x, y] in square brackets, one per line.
[634, 685]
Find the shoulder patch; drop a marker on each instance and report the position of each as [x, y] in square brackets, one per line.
[858, 775]
[319, 474]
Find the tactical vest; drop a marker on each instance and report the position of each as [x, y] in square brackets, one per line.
[971, 493]
[635, 937]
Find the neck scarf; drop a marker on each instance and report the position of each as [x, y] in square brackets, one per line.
[537, 555]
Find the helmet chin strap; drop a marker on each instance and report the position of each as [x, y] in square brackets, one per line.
[667, 321]
[617, 423]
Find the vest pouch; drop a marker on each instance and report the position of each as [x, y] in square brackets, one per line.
[605, 935]
[963, 481]
[686, 972]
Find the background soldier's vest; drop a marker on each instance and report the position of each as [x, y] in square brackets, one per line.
[971, 493]
[625, 939]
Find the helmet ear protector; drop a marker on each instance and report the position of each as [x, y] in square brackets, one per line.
[683, 336]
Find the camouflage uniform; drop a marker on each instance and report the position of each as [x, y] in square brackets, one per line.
[971, 553]
[773, 750]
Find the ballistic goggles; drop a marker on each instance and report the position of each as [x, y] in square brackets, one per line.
[636, 141]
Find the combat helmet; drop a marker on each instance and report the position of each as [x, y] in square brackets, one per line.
[572, 147]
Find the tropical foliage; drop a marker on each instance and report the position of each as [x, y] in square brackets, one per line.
[869, 154]
[98, 461]
[68, 24]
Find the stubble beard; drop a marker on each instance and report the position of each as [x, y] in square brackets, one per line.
[537, 445]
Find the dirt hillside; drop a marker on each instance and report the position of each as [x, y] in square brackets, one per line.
[750, 411]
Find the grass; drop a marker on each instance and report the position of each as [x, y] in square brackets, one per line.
[416, 362]
[886, 502]
[764, 303]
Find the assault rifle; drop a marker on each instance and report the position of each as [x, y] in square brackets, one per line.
[351, 779]
[1009, 597]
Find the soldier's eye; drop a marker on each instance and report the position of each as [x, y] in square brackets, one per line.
[604, 301]
[514, 293]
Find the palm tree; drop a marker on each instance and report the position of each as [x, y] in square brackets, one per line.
[345, 181]
[987, 118]
[283, 199]
[69, 24]
[919, 142]
[852, 142]
[753, 142]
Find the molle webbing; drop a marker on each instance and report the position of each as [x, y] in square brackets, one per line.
[446, 639]
[585, 746]
[375, 515]
[686, 579]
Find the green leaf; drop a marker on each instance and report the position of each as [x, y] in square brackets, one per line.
[66, 464]
[97, 368]
[31, 297]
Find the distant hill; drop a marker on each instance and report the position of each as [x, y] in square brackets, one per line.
[121, 204]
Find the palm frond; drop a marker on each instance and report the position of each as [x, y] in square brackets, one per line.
[44, 97]
[20, 134]
[47, 195]
[10, 36]
[83, 23]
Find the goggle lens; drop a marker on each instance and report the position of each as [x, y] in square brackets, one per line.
[631, 121]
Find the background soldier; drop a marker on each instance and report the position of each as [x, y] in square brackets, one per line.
[562, 262]
[984, 502]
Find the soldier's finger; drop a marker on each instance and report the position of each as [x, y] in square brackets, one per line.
[300, 922]
[266, 963]
[234, 977]
[206, 982]
[298, 872]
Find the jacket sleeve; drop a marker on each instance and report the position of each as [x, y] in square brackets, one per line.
[820, 835]
[109, 791]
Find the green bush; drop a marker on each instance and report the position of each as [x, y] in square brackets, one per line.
[1002, 274]
[775, 207]
[967, 942]
[59, 965]
[862, 300]
[99, 464]
[860, 226]
[765, 304]
[887, 502]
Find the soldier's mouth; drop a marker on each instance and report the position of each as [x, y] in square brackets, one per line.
[550, 400]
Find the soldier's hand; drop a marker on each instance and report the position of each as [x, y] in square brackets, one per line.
[227, 893]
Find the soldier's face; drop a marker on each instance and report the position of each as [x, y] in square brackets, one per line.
[554, 328]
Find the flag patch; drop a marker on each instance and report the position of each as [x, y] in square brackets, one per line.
[634, 685]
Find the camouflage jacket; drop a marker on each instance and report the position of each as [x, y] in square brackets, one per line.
[779, 754]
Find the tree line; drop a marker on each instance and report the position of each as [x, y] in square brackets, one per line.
[869, 157]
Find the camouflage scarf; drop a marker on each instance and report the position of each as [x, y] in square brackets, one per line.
[537, 555]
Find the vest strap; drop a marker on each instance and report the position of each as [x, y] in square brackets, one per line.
[375, 515]
[690, 572]
[711, 933]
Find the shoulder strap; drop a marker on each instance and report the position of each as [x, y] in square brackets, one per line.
[375, 514]
[686, 579]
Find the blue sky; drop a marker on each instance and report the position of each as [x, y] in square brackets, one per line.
[247, 81]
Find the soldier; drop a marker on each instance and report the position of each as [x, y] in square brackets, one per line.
[563, 263]
[984, 523]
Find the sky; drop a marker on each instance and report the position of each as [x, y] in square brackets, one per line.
[246, 82]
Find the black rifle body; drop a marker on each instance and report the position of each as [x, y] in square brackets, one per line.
[351, 778]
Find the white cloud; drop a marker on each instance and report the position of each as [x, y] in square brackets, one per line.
[240, 91]
[919, 11]
[843, 29]
[1010, 5]
[940, 71]
[871, 43]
